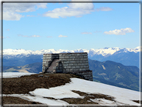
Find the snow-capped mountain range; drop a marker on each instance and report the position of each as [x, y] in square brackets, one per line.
[126, 56]
[104, 52]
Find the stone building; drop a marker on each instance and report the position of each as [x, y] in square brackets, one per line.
[76, 63]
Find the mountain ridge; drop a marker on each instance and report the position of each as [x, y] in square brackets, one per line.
[102, 51]
[114, 73]
[126, 56]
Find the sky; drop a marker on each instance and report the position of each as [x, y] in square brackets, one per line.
[70, 26]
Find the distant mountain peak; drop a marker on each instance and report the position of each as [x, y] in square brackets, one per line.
[103, 51]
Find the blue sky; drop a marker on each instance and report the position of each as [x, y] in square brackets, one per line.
[35, 26]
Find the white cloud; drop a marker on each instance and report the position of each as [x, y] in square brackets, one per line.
[61, 36]
[35, 36]
[11, 16]
[11, 11]
[119, 32]
[29, 36]
[104, 9]
[19, 7]
[84, 6]
[42, 5]
[74, 9]
[86, 33]
[65, 12]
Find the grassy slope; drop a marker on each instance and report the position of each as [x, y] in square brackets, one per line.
[115, 74]
[25, 84]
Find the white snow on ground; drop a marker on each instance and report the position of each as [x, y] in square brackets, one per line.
[39, 99]
[13, 74]
[57, 93]
[121, 95]
[106, 102]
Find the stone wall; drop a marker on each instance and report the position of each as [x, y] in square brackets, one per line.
[47, 60]
[86, 74]
[76, 63]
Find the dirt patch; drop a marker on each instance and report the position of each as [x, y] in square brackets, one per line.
[93, 96]
[50, 98]
[137, 101]
[127, 106]
[16, 100]
[24, 84]
[86, 99]
[78, 101]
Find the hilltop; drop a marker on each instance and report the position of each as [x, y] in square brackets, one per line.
[63, 89]
[107, 72]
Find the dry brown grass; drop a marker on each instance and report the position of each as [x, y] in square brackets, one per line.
[86, 99]
[137, 101]
[25, 84]
[78, 101]
[93, 96]
[28, 83]
[16, 100]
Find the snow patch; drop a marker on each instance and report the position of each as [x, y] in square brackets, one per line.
[121, 95]
[104, 101]
[13, 74]
[102, 74]
[103, 67]
[49, 102]
[57, 93]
